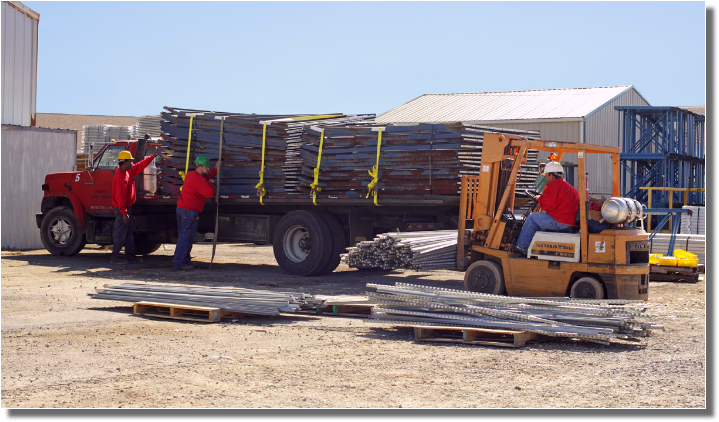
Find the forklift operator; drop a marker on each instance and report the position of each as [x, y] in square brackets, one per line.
[560, 200]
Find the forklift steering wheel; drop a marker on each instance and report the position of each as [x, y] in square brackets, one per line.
[532, 193]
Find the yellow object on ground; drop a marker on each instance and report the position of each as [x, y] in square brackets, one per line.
[685, 259]
[668, 261]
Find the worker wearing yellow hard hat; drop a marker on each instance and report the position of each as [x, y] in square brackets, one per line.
[123, 196]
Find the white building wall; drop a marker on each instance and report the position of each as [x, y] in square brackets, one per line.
[602, 128]
[19, 64]
[27, 155]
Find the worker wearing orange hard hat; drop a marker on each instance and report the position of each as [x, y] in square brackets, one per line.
[123, 196]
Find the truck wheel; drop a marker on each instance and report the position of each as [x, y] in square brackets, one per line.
[484, 277]
[338, 243]
[302, 243]
[59, 232]
[587, 288]
[143, 247]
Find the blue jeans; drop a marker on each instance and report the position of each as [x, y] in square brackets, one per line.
[187, 221]
[535, 222]
[123, 235]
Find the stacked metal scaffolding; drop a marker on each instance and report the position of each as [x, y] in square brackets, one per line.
[406, 159]
[594, 320]
[244, 138]
[420, 251]
[260, 302]
[662, 147]
[148, 125]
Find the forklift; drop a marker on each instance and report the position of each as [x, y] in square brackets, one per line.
[611, 263]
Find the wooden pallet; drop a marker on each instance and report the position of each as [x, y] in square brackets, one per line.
[676, 274]
[182, 312]
[480, 336]
[360, 310]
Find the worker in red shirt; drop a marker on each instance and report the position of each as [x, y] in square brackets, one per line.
[123, 196]
[195, 190]
[559, 202]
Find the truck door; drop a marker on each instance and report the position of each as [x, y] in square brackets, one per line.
[98, 180]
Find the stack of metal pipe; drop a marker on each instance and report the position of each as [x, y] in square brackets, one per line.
[419, 251]
[248, 301]
[594, 320]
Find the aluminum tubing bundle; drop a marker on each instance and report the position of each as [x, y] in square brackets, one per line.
[247, 301]
[594, 320]
[414, 250]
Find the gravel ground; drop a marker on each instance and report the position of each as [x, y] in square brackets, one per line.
[63, 349]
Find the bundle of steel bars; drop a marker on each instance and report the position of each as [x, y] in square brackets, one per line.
[248, 301]
[408, 159]
[420, 251]
[595, 320]
[245, 136]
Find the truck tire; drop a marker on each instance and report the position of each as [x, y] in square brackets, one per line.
[302, 243]
[338, 243]
[485, 277]
[587, 288]
[59, 232]
[143, 247]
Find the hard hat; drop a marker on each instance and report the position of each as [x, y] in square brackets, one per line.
[125, 155]
[553, 167]
[201, 160]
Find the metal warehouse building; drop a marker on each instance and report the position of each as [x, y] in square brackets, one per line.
[568, 115]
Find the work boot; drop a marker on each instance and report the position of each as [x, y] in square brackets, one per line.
[520, 251]
[118, 260]
[133, 258]
[187, 267]
[177, 270]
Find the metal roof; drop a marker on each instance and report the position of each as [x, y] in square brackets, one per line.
[511, 105]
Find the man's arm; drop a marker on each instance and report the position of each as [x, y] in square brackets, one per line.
[137, 168]
[548, 199]
[119, 195]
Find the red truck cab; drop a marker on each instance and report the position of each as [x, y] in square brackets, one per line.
[71, 200]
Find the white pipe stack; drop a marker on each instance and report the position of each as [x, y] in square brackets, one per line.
[419, 251]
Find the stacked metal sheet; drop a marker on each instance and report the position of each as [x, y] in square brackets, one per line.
[695, 223]
[120, 133]
[242, 147]
[599, 321]
[420, 251]
[248, 301]
[148, 125]
[411, 159]
[694, 243]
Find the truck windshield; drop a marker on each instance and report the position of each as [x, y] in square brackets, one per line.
[108, 159]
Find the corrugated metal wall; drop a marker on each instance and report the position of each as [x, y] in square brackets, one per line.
[19, 65]
[27, 155]
[602, 128]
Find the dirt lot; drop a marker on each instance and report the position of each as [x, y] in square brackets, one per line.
[62, 349]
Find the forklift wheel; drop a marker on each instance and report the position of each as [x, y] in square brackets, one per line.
[484, 277]
[587, 288]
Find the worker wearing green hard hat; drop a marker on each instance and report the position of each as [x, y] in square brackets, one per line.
[201, 160]
[196, 188]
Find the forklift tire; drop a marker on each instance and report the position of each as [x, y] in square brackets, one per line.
[587, 288]
[485, 277]
[59, 232]
[302, 243]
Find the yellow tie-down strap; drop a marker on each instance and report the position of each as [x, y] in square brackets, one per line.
[372, 186]
[315, 184]
[261, 184]
[187, 159]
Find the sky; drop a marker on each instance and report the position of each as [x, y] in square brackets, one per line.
[133, 58]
